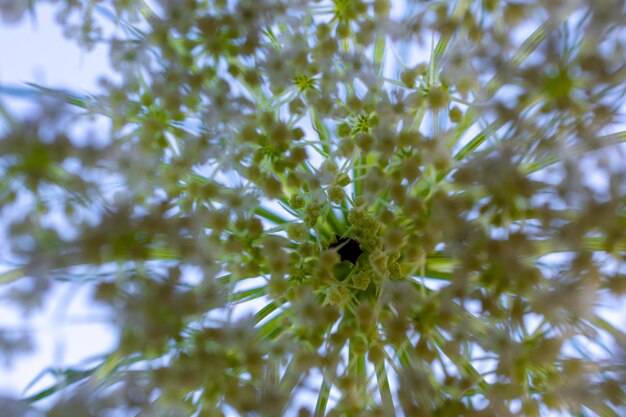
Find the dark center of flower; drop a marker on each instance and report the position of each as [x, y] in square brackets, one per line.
[349, 249]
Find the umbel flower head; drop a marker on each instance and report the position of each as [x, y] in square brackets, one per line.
[341, 208]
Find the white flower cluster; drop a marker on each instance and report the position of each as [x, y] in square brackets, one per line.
[399, 190]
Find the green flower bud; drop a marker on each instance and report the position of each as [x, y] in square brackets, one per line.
[382, 7]
[438, 97]
[336, 194]
[378, 261]
[395, 272]
[338, 295]
[343, 130]
[361, 280]
[408, 77]
[456, 115]
[297, 232]
[296, 201]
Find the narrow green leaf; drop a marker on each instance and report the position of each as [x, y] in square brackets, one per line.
[162, 253]
[441, 264]
[528, 46]
[597, 244]
[12, 275]
[617, 334]
[419, 117]
[600, 409]
[534, 40]
[379, 52]
[321, 131]
[601, 142]
[68, 97]
[357, 172]
[395, 82]
[292, 375]
[270, 215]
[440, 48]
[130, 30]
[384, 389]
[4, 113]
[478, 140]
[247, 295]
[20, 92]
[463, 364]
[69, 377]
[334, 222]
[270, 35]
[265, 311]
[146, 11]
[445, 40]
[322, 398]
[270, 329]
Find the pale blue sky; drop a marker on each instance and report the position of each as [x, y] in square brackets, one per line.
[69, 329]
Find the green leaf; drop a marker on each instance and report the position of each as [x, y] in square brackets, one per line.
[597, 244]
[291, 377]
[440, 50]
[265, 311]
[445, 40]
[333, 221]
[147, 13]
[247, 295]
[4, 113]
[322, 132]
[601, 142]
[478, 140]
[322, 397]
[379, 53]
[616, 333]
[130, 30]
[601, 409]
[462, 363]
[71, 375]
[270, 215]
[68, 97]
[18, 91]
[384, 389]
[12, 275]
[528, 46]
[270, 329]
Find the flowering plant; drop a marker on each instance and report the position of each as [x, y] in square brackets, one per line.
[343, 208]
